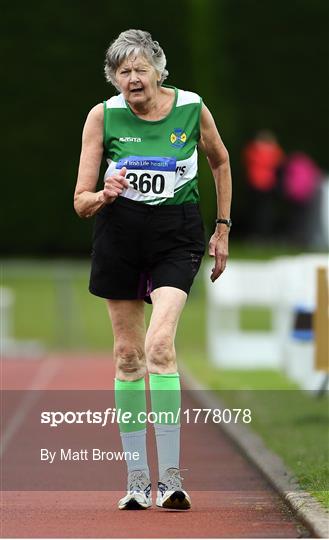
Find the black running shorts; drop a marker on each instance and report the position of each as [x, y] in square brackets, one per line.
[139, 247]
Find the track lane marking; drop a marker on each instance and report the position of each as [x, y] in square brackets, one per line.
[41, 378]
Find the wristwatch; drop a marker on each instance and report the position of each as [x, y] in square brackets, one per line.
[227, 222]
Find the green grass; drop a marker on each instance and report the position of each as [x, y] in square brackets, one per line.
[293, 423]
[52, 304]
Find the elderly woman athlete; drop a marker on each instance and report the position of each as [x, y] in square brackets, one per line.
[148, 240]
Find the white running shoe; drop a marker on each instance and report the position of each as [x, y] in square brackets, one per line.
[139, 496]
[170, 491]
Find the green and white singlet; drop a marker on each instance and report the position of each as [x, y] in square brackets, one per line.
[161, 156]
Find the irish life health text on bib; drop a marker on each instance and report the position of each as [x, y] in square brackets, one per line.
[150, 175]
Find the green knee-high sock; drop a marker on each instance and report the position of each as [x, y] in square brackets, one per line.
[166, 401]
[130, 397]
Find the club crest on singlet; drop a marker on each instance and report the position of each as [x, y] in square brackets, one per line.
[150, 175]
[178, 138]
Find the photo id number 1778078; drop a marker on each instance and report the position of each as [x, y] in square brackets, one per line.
[217, 416]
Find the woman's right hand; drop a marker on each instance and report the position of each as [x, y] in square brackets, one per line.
[114, 185]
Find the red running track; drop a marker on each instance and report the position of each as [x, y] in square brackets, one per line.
[245, 507]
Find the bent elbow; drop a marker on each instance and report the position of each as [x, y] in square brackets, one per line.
[225, 157]
[77, 206]
[220, 160]
[79, 212]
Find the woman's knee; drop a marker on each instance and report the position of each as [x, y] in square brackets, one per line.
[160, 355]
[130, 361]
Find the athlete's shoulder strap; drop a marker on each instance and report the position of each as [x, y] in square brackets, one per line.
[187, 98]
[116, 102]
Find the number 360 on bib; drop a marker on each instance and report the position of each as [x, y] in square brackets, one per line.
[153, 176]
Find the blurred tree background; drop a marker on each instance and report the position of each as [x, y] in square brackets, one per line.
[256, 65]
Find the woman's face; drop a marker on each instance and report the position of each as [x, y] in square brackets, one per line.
[137, 80]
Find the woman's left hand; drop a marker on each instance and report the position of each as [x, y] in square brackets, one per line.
[218, 248]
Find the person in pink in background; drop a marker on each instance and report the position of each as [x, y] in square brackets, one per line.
[301, 181]
[262, 158]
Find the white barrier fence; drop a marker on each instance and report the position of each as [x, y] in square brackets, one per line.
[282, 285]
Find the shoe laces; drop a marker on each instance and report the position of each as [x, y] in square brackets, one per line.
[137, 481]
[173, 479]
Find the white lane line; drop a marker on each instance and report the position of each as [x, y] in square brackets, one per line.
[42, 377]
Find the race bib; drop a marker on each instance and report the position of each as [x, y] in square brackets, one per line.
[153, 176]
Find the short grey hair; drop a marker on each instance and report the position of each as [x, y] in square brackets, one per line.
[137, 42]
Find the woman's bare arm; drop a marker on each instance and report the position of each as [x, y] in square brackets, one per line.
[86, 200]
[218, 159]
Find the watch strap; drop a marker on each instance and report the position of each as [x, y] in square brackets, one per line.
[227, 222]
